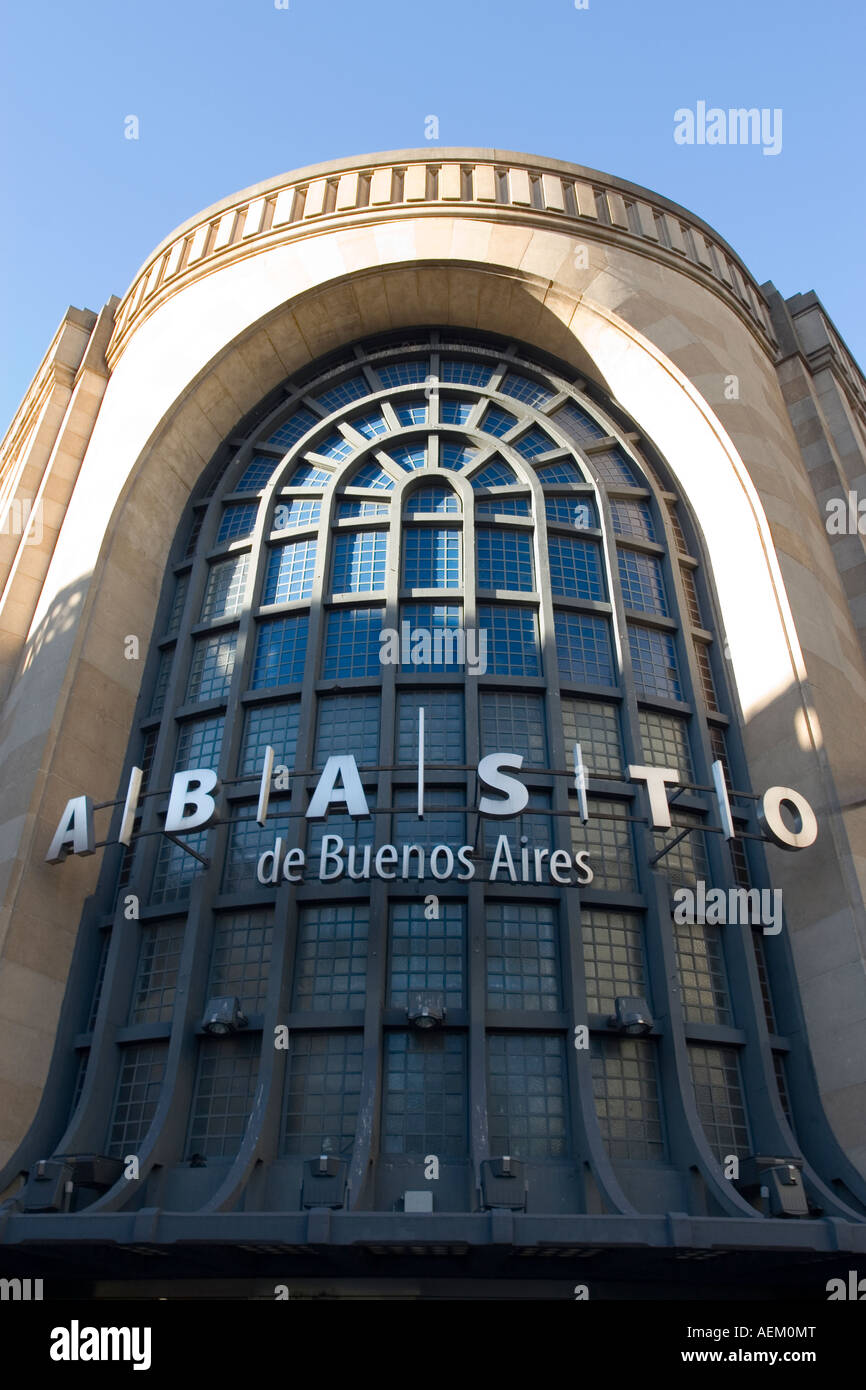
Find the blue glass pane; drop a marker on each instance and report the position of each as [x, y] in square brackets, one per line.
[467, 373]
[238, 521]
[347, 391]
[496, 474]
[654, 662]
[504, 506]
[334, 447]
[454, 412]
[522, 389]
[512, 640]
[352, 643]
[359, 562]
[564, 472]
[431, 559]
[428, 636]
[575, 568]
[281, 647]
[642, 583]
[504, 559]
[308, 476]
[433, 500]
[410, 457]
[290, 572]
[404, 373]
[257, 473]
[370, 425]
[357, 508]
[498, 421]
[534, 442]
[372, 475]
[294, 428]
[411, 414]
[583, 648]
[296, 513]
[456, 456]
[575, 511]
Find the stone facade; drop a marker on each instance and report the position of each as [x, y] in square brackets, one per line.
[626, 288]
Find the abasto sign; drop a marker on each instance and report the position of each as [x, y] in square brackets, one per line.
[193, 799]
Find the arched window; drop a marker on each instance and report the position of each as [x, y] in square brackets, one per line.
[445, 527]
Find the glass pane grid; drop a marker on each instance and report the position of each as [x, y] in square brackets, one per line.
[247, 841]
[641, 581]
[424, 1101]
[432, 637]
[578, 424]
[527, 1096]
[522, 957]
[352, 643]
[431, 558]
[224, 1092]
[281, 649]
[665, 742]
[213, 664]
[142, 1069]
[654, 662]
[702, 973]
[199, 744]
[359, 562]
[296, 513]
[322, 1093]
[331, 960]
[372, 475]
[575, 568]
[175, 869]
[583, 648]
[257, 474]
[238, 521]
[444, 740]
[719, 1098]
[269, 725]
[632, 518]
[613, 957]
[427, 953]
[226, 588]
[512, 640]
[241, 958]
[293, 429]
[348, 724]
[595, 726]
[290, 570]
[495, 474]
[610, 846]
[433, 500]
[574, 511]
[513, 722]
[522, 389]
[627, 1099]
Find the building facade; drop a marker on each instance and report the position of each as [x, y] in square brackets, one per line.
[420, 511]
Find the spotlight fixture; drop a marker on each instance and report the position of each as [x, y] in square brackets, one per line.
[632, 1017]
[223, 1016]
[426, 1010]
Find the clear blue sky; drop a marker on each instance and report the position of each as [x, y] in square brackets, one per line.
[229, 92]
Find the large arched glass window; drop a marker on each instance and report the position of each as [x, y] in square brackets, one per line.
[443, 524]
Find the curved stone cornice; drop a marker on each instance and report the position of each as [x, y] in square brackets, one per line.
[489, 184]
